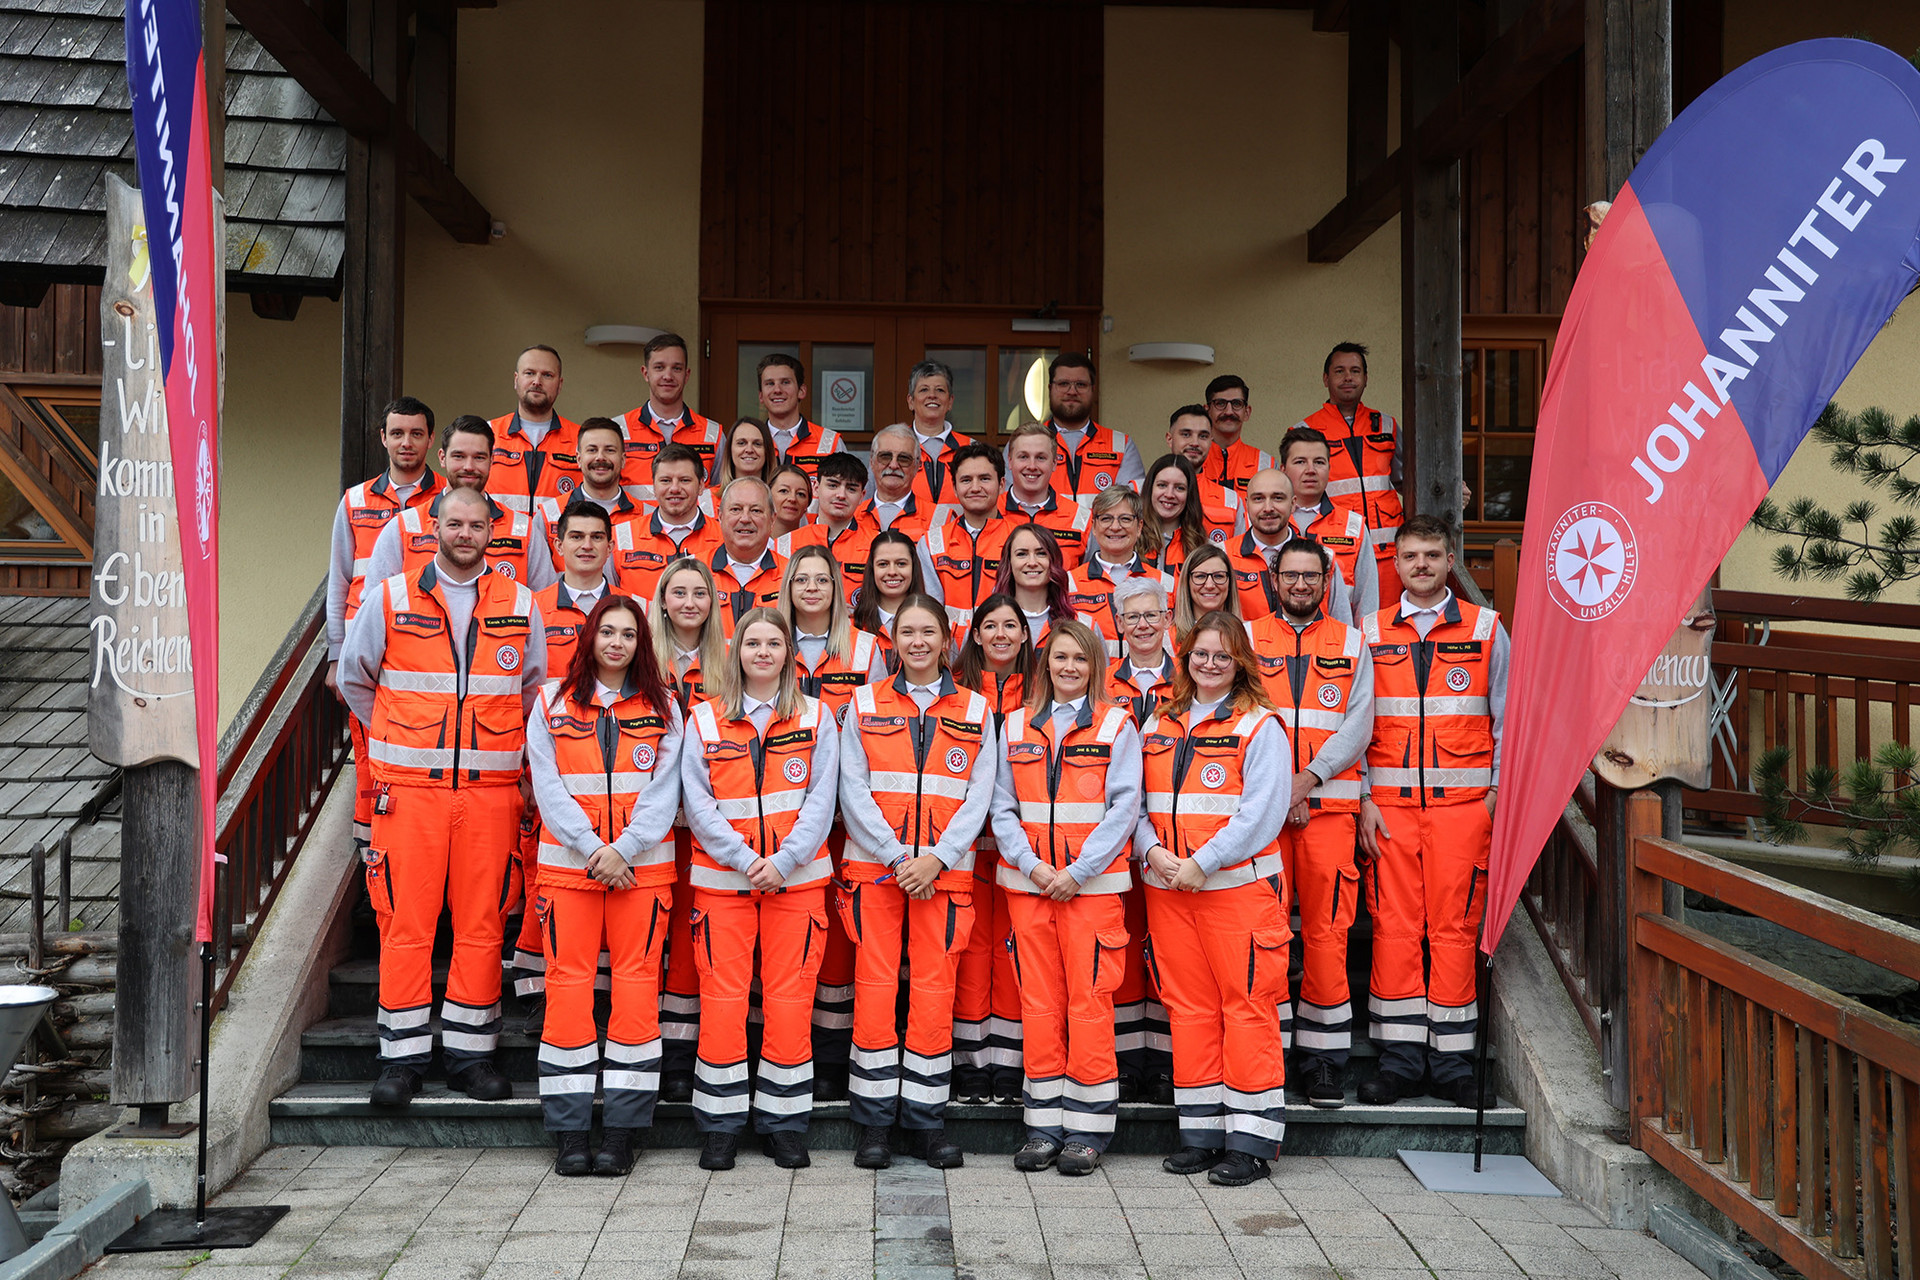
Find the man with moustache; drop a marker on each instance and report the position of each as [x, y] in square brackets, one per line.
[895, 504]
[601, 452]
[1229, 406]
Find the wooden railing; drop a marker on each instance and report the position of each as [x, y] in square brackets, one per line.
[1830, 698]
[278, 760]
[1563, 898]
[1791, 1109]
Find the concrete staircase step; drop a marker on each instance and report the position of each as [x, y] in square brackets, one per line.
[337, 1113]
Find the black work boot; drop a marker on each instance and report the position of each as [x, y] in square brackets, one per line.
[481, 1081]
[1237, 1169]
[932, 1146]
[1321, 1079]
[676, 1086]
[395, 1087]
[786, 1148]
[718, 1151]
[1188, 1160]
[615, 1157]
[572, 1162]
[875, 1148]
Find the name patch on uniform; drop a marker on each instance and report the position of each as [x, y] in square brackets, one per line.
[960, 726]
[644, 722]
[1087, 751]
[506, 544]
[507, 622]
[1459, 648]
[1333, 540]
[417, 622]
[1025, 751]
[1389, 650]
[1334, 664]
[853, 679]
[1222, 742]
[883, 722]
[793, 739]
[566, 459]
[725, 750]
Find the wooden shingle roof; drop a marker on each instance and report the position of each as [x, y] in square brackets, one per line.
[66, 122]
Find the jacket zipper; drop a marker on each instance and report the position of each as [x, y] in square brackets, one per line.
[759, 754]
[919, 771]
[461, 675]
[606, 762]
[1053, 800]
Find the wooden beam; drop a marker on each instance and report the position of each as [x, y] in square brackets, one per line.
[300, 42]
[435, 31]
[1513, 67]
[213, 37]
[1430, 253]
[1330, 15]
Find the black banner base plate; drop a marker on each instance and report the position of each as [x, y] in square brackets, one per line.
[230, 1227]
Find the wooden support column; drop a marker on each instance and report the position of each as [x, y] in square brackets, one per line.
[154, 1021]
[1629, 100]
[373, 274]
[435, 55]
[213, 36]
[1629, 87]
[1430, 257]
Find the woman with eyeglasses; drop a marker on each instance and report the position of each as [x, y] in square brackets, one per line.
[745, 450]
[1117, 556]
[792, 492]
[690, 649]
[1217, 791]
[1206, 586]
[603, 751]
[916, 784]
[833, 659]
[1065, 806]
[1034, 576]
[996, 661]
[892, 574]
[1176, 519]
[760, 772]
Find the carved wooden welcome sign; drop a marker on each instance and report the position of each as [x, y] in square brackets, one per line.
[140, 704]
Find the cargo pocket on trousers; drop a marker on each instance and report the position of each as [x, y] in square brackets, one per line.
[814, 949]
[959, 922]
[700, 927]
[1267, 963]
[846, 900]
[1109, 961]
[379, 885]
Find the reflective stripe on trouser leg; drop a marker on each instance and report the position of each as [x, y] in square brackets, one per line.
[875, 919]
[1326, 888]
[485, 828]
[406, 870]
[1004, 1034]
[724, 929]
[1073, 957]
[566, 1085]
[1458, 836]
[680, 988]
[529, 950]
[1192, 1001]
[569, 1040]
[793, 941]
[937, 931]
[1397, 987]
[635, 926]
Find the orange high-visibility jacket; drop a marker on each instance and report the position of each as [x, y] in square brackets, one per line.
[642, 551]
[1065, 518]
[1195, 775]
[605, 757]
[1121, 688]
[1233, 466]
[523, 472]
[1343, 532]
[835, 679]
[1363, 482]
[1094, 466]
[811, 442]
[1432, 710]
[759, 785]
[425, 730]
[918, 779]
[645, 439]
[966, 563]
[1061, 788]
[370, 505]
[1309, 675]
[508, 549]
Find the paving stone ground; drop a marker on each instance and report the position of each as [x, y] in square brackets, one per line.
[386, 1213]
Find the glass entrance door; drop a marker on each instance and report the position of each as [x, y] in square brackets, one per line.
[858, 362]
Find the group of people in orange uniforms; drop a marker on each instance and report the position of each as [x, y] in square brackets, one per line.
[740, 725]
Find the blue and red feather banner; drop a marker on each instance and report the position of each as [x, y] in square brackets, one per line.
[1751, 257]
[166, 72]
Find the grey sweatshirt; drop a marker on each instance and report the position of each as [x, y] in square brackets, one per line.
[653, 812]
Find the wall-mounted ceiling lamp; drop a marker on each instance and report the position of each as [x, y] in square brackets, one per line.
[1042, 324]
[614, 335]
[1179, 352]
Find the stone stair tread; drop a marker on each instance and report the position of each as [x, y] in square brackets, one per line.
[436, 1100]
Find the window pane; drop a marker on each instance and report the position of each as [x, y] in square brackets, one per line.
[969, 365]
[1023, 387]
[747, 397]
[19, 522]
[1512, 390]
[1470, 473]
[840, 389]
[1509, 462]
[1470, 389]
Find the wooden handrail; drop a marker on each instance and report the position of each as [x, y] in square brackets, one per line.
[1796, 608]
[251, 718]
[1816, 662]
[1871, 937]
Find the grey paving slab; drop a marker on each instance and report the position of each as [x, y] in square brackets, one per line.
[413, 1214]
